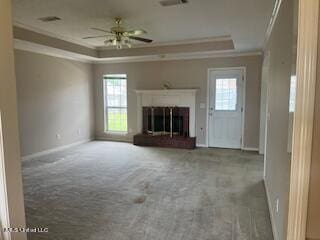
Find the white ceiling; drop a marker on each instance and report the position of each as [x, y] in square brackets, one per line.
[245, 21]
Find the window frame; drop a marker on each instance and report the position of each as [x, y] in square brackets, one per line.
[106, 107]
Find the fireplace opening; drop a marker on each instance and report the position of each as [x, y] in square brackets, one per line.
[157, 124]
[173, 121]
[162, 125]
[177, 125]
[165, 127]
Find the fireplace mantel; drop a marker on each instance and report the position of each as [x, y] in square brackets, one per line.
[168, 91]
[165, 98]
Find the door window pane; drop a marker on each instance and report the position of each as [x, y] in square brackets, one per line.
[226, 94]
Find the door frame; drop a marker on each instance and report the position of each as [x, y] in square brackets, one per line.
[4, 209]
[307, 57]
[244, 73]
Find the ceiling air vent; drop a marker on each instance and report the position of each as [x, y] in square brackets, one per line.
[167, 3]
[49, 19]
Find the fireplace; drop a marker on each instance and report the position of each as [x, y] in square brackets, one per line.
[166, 127]
[173, 121]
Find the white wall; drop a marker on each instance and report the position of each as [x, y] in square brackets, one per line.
[55, 96]
[277, 158]
[183, 74]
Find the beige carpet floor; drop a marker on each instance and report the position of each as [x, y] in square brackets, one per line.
[117, 191]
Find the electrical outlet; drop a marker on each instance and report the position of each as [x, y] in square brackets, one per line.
[58, 136]
[277, 205]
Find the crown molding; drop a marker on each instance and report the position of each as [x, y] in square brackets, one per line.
[168, 50]
[50, 51]
[272, 21]
[28, 40]
[47, 44]
[54, 35]
[174, 43]
[181, 56]
[54, 52]
[48, 41]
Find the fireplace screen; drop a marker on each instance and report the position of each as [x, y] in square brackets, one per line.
[173, 121]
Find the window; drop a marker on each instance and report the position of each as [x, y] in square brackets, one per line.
[293, 86]
[226, 94]
[115, 95]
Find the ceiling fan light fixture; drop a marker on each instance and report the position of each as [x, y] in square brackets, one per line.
[108, 42]
[126, 42]
[168, 3]
[136, 32]
[119, 36]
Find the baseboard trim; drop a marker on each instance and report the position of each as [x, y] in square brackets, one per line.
[272, 219]
[250, 149]
[53, 150]
[244, 148]
[199, 145]
[312, 238]
[113, 139]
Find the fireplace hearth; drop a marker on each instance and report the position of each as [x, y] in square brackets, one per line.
[165, 127]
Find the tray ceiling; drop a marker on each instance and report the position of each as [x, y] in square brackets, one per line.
[245, 21]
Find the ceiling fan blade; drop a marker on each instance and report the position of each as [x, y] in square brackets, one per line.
[135, 32]
[96, 36]
[140, 39]
[101, 30]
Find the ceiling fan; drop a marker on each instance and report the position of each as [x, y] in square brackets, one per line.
[119, 36]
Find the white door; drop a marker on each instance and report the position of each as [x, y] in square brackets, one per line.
[225, 108]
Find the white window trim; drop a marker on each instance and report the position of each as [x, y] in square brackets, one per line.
[105, 109]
